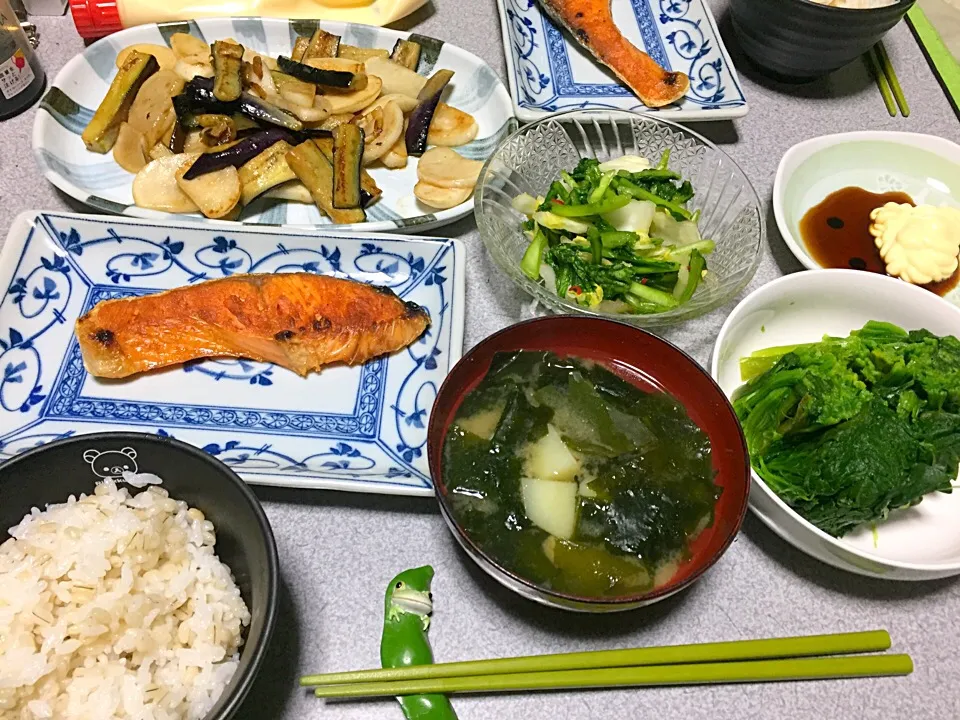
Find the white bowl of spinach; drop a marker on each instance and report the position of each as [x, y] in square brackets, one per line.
[847, 385]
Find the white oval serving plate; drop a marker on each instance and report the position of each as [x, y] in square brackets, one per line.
[918, 543]
[99, 182]
[925, 167]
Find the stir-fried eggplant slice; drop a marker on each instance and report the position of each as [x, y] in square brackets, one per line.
[244, 123]
[196, 116]
[300, 47]
[178, 135]
[336, 63]
[227, 60]
[216, 129]
[407, 53]
[352, 52]
[100, 135]
[329, 78]
[336, 119]
[347, 163]
[265, 171]
[200, 91]
[188, 112]
[236, 155]
[266, 112]
[316, 173]
[322, 44]
[310, 134]
[164, 55]
[198, 98]
[369, 190]
[419, 122]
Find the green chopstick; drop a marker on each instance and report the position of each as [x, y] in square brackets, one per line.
[695, 674]
[944, 63]
[892, 78]
[881, 79]
[810, 645]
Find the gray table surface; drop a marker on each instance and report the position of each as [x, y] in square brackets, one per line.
[338, 551]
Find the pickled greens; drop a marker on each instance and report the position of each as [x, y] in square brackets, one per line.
[616, 236]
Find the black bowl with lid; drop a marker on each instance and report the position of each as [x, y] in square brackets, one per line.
[801, 40]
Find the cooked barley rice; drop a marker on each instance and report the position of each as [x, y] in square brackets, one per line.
[115, 606]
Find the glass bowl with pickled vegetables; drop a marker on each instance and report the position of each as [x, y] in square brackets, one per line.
[619, 215]
[587, 464]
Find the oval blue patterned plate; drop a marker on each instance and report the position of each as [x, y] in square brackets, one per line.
[99, 182]
[346, 428]
[549, 72]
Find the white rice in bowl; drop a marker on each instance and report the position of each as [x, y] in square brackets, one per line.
[115, 606]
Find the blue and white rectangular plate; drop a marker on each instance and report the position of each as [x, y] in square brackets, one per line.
[549, 72]
[349, 428]
[102, 184]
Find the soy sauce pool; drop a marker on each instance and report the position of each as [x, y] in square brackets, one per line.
[836, 233]
[575, 479]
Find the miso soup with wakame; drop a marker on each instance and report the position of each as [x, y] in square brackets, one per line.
[575, 479]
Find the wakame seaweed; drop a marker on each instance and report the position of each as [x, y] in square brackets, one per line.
[848, 429]
[645, 483]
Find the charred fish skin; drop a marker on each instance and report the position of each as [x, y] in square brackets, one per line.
[592, 26]
[301, 321]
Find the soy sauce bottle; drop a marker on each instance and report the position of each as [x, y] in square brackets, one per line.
[21, 77]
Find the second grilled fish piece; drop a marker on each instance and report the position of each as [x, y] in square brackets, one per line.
[591, 24]
[300, 321]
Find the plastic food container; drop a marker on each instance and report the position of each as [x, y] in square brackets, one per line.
[96, 18]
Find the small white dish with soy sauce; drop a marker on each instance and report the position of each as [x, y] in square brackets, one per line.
[856, 172]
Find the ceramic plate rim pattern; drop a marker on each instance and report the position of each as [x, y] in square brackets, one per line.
[806, 149]
[365, 438]
[529, 112]
[910, 571]
[48, 124]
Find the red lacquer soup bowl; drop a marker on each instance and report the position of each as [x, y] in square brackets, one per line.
[649, 363]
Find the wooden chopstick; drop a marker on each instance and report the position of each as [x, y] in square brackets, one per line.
[892, 78]
[692, 674]
[874, 62]
[739, 650]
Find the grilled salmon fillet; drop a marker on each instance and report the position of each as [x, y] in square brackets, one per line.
[591, 24]
[300, 321]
